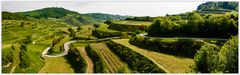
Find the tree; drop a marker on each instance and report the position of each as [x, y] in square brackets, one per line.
[194, 22]
[24, 58]
[212, 59]
[162, 27]
[228, 56]
[96, 25]
[27, 40]
[79, 28]
[72, 32]
[206, 59]
[109, 22]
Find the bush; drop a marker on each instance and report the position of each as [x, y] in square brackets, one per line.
[228, 56]
[212, 59]
[103, 34]
[134, 60]
[77, 61]
[206, 59]
[24, 58]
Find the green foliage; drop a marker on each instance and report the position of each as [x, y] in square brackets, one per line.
[76, 60]
[48, 12]
[210, 58]
[144, 18]
[96, 25]
[134, 60]
[218, 6]
[109, 22]
[206, 59]
[177, 47]
[72, 32]
[24, 58]
[175, 18]
[12, 16]
[102, 17]
[197, 26]
[103, 34]
[27, 40]
[228, 56]
[161, 27]
[98, 65]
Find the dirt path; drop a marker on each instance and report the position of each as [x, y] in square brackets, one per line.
[87, 59]
[7, 65]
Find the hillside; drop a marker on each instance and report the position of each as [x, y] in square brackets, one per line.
[220, 6]
[68, 16]
[102, 17]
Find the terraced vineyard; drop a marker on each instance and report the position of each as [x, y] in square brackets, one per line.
[59, 40]
[87, 59]
[172, 63]
[56, 65]
[112, 62]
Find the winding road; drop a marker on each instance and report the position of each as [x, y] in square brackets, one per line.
[66, 45]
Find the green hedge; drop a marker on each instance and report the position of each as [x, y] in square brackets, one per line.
[76, 60]
[134, 60]
[123, 27]
[183, 48]
[103, 34]
[98, 65]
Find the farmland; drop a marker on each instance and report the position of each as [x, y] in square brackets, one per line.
[172, 63]
[59, 40]
[111, 61]
[56, 65]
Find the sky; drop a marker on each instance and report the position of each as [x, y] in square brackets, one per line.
[143, 8]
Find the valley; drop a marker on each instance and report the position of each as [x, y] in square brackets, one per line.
[58, 40]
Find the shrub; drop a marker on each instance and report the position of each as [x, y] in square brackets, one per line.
[206, 59]
[228, 56]
[77, 61]
[212, 59]
[24, 58]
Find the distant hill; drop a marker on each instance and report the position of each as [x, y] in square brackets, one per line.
[218, 6]
[65, 15]
[10, 16]
[101, 16]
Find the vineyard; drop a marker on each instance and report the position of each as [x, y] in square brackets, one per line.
[112, 62]
[169, 62]
[56, 65]
[60, 40]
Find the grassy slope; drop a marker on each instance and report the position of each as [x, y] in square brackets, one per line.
[56, 65]
[41, 31]
[104, 27]
[169, 62]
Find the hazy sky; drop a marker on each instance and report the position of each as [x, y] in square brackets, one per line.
[121, 8]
